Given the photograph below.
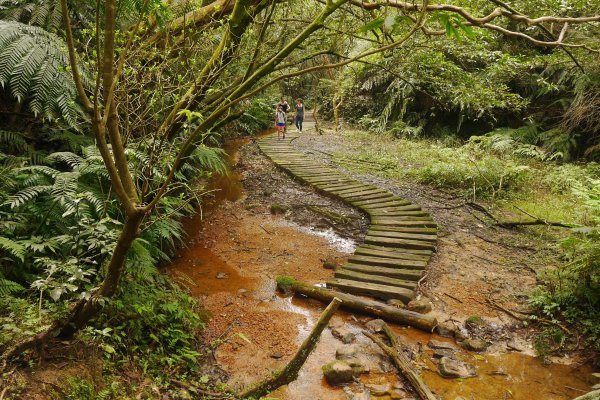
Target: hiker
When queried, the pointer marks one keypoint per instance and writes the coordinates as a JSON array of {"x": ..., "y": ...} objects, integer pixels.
[
  {"x": 285, "y": 107},
  {"x": 299, "y": 114},
  {"x": 280, "y": 121}
]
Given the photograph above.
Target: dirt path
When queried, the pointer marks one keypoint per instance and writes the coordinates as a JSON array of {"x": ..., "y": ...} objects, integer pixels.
[{"x": 240, "y": 248}]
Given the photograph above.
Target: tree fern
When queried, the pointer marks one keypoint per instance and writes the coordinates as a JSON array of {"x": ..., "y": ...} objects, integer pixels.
[
  {"x": 33, "y": 68},
  {"x": 13, "y": 248}
]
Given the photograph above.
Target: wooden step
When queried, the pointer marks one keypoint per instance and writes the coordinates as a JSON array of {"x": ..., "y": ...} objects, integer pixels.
[
  {"x": 347, "y": 274},
  {"x": 387, "y": 262},
  {"x": 407, "y": 229},
  {"x": 384, "y": 292},
  {"x": 368, "y": 197},
  {"x": 403, "y": 243},
  {"x": 403, "y": 235},
  {"x": 393, "y": 202},
  {"x": 385, "y": 209},
  {"x": 365, "y": 251},
  {"x": 398, "y": 250},
  {"x": 399, "y": 273},
  {"x": 406, "y": 221}
]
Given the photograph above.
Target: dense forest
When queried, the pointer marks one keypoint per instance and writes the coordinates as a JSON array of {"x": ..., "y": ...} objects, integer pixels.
[{"x": 113, "y": 118}]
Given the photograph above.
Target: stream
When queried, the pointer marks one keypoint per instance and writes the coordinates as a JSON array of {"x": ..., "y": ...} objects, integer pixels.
[{"x": 235, "y": 252}]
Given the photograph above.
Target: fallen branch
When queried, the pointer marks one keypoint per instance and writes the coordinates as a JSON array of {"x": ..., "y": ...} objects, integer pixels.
[
  {"x": 396, "y": 353},
  {"x": 512, "y": 224},
  {"x": 594, "y": 395},
  {"x": 366, "y": 306},
  {"x": 290, "y": 372}
]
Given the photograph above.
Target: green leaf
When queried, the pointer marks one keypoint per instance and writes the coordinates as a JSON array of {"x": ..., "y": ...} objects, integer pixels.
[
  {"x": 244, "y": 337},
  {"x": 377, "y": 23}
]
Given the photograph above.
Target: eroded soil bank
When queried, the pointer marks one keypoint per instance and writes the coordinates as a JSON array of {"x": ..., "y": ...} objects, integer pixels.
[{"x": 238, "y": 247}]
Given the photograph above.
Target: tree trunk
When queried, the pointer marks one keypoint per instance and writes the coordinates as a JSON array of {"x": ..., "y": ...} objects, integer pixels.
[
  {"x": 361, "y": 304},
  {"x": 88, "y": 309},
  {"x": 396, "y": 353},
  {"x": 290, "y": 372}
]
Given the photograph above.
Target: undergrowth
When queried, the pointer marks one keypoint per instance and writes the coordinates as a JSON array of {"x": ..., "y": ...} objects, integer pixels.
[{"x": 514, "y": 178}]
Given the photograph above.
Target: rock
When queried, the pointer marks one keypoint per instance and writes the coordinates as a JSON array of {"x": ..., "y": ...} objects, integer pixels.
[
  {"x": 375, "y": 325},
  {"x": 277, "y": 355},
  {"x": 477, "y": 345},
  {"x": 279, "y": 208},
  {"x": 461, "y": 334},
  {"x": 346, "y": 352},
  {"x": 396, "y": 303},
  {"x": 438, "y": 344},
  {"x": 378, "y": 390},
  {"x": 330, "y": 264},
  {"x": 473, "y": 322},
  {"x": 446, "y": 329},
  {"x": 221, "y": 275},
  {"x": 422, "y": 305},
  {"x": 439, "y": 353},
  {"x": 343, "y": 334},
  {"x": 358, "y": 366},
  {"x": 337, "y": 372},
  {"x": 451, "y": 368}
]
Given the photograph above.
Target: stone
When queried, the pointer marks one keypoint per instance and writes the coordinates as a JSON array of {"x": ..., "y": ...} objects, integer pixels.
[
  {"x": 452, "y": 368},
  {"x": 337, "y": 372},
  {"x": 346, "y": 352},
  {"x": 378, "y": 390},
  {"x": 343, "y": 334},
  {"x": 358, "y": 366},
  {"x": 439, "y": 353},
  {"x": 422, "y": 305},
  {"x": 438, "y": 344},
  {"x": 446, "y": 329},
  {"x": 477, "y": 345},
  {"x": 375, "y": 325},
  {"x": 461, "y": 334},
  {"x": 277, "y": 355},
  {"x": 396, "y": 303},
  {"x": 221, "y": 275}
]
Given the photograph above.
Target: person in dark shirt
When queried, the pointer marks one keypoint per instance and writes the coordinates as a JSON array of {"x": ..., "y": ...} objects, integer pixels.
[
  {"x": 284, "y": 105},
  {"x": 299, "y": 114}
]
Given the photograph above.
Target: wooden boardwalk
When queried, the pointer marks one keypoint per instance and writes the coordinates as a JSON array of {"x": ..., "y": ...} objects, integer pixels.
[{"x": 400, "y": 239}]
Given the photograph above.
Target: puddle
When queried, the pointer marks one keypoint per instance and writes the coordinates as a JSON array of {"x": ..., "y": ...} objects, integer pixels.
[{"x": 231, "y": 263}]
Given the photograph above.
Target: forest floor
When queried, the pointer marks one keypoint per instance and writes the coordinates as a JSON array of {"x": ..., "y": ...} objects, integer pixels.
[
  {"x": 478, "y": 271},
  {"x": 263, "y": 224}
]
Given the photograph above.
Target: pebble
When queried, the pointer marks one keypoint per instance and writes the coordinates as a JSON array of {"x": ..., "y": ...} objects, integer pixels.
[
  {"x": 375, "y": 325},
  {"x": 437, "y": 344},
  {"x": 451, "y": 368}
]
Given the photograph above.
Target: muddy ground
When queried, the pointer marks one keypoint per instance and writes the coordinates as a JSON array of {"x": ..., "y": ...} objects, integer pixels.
[{"x": 242, "y": 246}]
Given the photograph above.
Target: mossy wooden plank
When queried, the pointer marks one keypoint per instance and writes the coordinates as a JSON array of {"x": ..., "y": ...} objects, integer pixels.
[
  {"x": 372, "y": 289},
  {"x": 347, "y": 274},
  {"x": 407, "y": 229},
  {"x": 399, "y": 273},
  {"x": 403, "y": 222},
  {"x": 379, "y": 195},
  {"x": 403, "y": 243},
  {"x": 386, "y": 209},
  {"x": 390, "y": 254},
  {"x": 399, "y": 250},
  {"x": 389, "y": 202},
  {"x": 387, "y": 262},
  {"x": 403, "y": 235}
]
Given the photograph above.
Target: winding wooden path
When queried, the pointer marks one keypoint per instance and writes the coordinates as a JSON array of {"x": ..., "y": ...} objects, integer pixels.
[{"x": 400, "y": 239}]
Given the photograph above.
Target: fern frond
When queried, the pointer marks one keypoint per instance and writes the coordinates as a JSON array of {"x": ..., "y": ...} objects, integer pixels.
[
  {"x": 33, "y": 66},
  {"x": 15, "y": 249}
]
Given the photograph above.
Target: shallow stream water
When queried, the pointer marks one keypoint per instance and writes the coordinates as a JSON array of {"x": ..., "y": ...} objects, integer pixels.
[{"x": 235, "y": 281}]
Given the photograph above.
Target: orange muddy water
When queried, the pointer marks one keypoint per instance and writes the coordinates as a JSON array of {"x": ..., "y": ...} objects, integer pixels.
[{"x": 235, "y": 253}]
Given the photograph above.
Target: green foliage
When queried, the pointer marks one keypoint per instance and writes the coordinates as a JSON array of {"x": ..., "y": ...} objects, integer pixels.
[{"x": 33, "y": 69}]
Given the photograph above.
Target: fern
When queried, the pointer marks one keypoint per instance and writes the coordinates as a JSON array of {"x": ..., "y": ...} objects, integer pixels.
[
  {"x": 15, "y": 249},
  {"x": 33, "y": 68},
  {"x": 8, "y": 287}
]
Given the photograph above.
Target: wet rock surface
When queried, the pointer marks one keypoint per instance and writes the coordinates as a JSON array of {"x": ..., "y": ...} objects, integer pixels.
[
  {"x": 375, "y": 325},
  {"x": 477, "y": 345},
  {"x": 421, "y": 305},
  {"x": 452, "y": 368},
  {"x": 338, "y": 372}
]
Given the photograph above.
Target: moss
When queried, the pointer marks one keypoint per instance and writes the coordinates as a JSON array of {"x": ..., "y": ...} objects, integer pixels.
[
  {"x": 474, "y": 320},
  {"x": 284, "y": 282},
  {"x": 277, "y": 208}
]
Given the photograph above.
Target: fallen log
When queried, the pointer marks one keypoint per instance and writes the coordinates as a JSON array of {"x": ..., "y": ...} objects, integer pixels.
[
  {"x": 360, "y": 304},
  {"x": 594, "y": 395},
  {"x": 396, "y": 353},
  {"x": 290, "y": 372},
  {"x": 512, "y": 224}
]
